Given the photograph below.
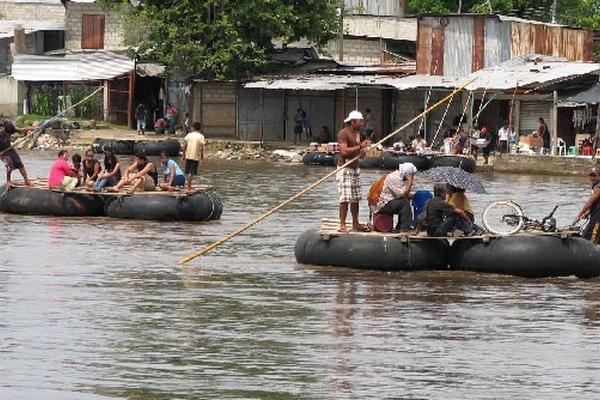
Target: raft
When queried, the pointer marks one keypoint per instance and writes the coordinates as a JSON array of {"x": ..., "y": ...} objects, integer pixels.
[
  {"x": 43, "y": 201},
  {"x": 318, "y": 158},
  {"x": 391, "y": 160},
  {"x": 154, "y": 147},
  {"x": 530, "y": 256},
  {"x": 464, "y": 162},
  {"x": 201, "y": 205},
  {"x": 371, "y": 251}
]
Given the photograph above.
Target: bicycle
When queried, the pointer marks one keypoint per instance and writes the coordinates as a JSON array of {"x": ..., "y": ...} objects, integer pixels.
[{"x": 506, "y": 217}]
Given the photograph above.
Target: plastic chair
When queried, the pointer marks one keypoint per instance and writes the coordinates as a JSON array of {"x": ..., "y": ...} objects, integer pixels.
[
  {"x": 587, "y": 150},
  {"x": 561, "y": 147},
  {"x": 573, "y": 150}
]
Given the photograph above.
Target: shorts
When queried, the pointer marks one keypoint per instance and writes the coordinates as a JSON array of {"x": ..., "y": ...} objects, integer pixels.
[
  {"x": 149, "y": 185},
  {"x": 179, "y": 180},
  {"x": 592, "y": 232},
  {"x": 191, "y": 167},
  {"x": 12, "y": 160},
  {"x": 348, "y": 185}
]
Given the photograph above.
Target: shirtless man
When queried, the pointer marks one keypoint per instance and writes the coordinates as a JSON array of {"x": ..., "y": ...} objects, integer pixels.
[
  {"x": 348, "y": 179},
  {"x": 591, "y": 209},
  {"x": 8, "y": 155}
]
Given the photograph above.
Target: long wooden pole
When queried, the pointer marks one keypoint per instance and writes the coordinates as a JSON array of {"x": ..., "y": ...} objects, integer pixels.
[{"x": 317, "y": 183}]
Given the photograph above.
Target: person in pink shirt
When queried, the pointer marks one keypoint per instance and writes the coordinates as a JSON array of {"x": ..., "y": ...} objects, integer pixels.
[{"x": 61, "y": 174}]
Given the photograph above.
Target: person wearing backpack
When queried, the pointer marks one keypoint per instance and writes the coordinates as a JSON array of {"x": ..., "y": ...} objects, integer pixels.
[{"x": 394, "y": 196}]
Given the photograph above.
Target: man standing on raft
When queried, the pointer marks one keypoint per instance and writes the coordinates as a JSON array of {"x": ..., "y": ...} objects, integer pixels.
[
  {"x": 8, "y": 155},
  {"x": 348, "y": 179},
  {"x": 591, "y": 209}
]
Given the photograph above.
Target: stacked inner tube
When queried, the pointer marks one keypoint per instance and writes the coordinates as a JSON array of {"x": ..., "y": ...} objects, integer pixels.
[
  {"x": 154, "y": 147},
  {"x": 527, "y": 256},
  {"x": 318, "y": 158},
  {"x": 370, "y": 252},
  {"x": 120, "y": 147},
  {"x": 391, "y": 160},
  {"x": 203, "y": 206},
  {"x": 37, "y": 201},
  {"x": 466, "y": 163}
]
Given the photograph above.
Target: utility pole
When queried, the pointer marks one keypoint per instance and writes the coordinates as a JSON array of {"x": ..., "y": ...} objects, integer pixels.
[
  {"x": 341, "y": 38},
  {"x": 459, "y": 6},
  {"x": 553, "y": 10}
]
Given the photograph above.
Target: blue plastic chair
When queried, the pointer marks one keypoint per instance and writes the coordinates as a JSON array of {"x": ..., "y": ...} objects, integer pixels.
[{"x": 420, "y": 198}]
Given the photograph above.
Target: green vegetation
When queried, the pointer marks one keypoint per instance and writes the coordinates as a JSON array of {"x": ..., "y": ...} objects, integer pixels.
[
  {"x": 223, "y": 39},
  {"x": 28, "y": 119}
]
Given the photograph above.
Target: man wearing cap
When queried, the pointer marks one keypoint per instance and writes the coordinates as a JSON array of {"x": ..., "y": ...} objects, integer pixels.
[
  {"x": 348, "y": 179},
  {"x": 591, "y": 209}
]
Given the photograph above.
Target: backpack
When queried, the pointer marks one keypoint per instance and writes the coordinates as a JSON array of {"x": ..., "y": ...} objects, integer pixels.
[{"x": 375, "y": 191}]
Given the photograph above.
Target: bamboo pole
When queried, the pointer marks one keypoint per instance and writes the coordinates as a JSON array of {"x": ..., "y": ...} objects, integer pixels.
[
  {"x": 317, "y": 183},
  {"x": 39, "y": 130}
]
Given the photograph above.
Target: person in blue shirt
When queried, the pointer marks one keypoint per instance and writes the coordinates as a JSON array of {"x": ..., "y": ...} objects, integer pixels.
[{"x": 173, "y": 174}]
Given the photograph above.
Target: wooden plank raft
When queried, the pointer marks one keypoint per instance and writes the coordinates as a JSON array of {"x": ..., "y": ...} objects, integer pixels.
[
  {"x": 42, "y": 183},
  {"x": 330, "y": 228}
]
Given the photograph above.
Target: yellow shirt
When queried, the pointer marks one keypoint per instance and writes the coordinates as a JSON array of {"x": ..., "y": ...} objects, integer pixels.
[
  {"x": 454, "y": 198},
  {"x": 194, "y": 142}
]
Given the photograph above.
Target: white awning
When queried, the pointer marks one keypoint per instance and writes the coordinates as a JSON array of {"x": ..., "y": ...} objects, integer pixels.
[{"x": 73, "y": 67}]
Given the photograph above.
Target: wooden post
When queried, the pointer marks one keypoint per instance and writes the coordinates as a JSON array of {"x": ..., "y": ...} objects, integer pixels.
[
  {"x": 130, "y": 99},
  {"x": 106, "y": 100},
  {"x": 554, "y": 136}
]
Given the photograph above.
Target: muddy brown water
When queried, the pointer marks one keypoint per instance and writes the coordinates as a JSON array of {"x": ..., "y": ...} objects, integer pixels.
[{"x": 99, "y": 308}]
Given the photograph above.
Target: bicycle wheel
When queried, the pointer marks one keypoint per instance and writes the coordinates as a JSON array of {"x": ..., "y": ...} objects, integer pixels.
[{"x": 503, "y": 218}]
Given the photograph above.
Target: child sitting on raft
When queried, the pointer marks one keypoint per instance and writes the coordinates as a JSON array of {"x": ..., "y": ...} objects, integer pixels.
[{"x": 173, "y": 175}]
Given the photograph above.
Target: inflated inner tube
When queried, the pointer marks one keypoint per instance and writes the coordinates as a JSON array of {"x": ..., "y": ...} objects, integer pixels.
[
  {"x": 371, "y": 251},
  {"x": 527, "y": 256},
  {"x": 154, "y": 147},
  {"x": 391, "y": 161},
  {"x": 204, "y": 206},
  {"x": 121, "y": 147},
  {"x": 318, "y": 158},
  {"x": 466, "y": 163},
  {"x": 41, "y": 201},
  {"x": 371, "y": 162}
]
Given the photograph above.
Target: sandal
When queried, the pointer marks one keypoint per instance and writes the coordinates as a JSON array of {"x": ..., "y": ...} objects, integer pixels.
[{"x": 361, "y": 228}]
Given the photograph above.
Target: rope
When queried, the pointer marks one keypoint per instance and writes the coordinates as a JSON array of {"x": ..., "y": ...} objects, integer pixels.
[
  {"x": 429, "y": 92},
  {"x": 317, "y": 183},
  {"x": 439, "y": 128},
  {"x": 49, "y": 121}
]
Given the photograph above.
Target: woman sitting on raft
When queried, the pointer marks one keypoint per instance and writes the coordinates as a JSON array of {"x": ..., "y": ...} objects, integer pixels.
[
  {"x": 443, "y": 217},
  {"x": 395, "y": 196},
  {"x": 61, "y": 173},
  {"x": 111, "y": 175},
  {"x": 91, "y": 169},
  {"x": 173, "y": 174},
  {"x": 145, "y": 176}
]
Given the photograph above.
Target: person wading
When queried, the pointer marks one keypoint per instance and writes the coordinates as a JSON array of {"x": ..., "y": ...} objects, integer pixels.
[
  {"x": 8, "y": 155},
  {"x": 348, "y": 179}
]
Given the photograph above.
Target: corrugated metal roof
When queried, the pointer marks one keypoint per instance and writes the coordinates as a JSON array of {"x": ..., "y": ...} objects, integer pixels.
[
  {"x": 503, "y": 77},
  {"x": 149, "y": 69},
  {"x": 7, "y": 27},
  {"x": 73, "y": 67},
  {"x": 590, "y": 95}
]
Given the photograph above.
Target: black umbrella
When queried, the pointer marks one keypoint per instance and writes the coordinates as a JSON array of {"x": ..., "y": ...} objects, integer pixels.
[{"x": 455, "y": 177}]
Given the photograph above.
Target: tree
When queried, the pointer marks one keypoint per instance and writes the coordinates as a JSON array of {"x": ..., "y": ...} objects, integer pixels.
[{"x": 224, "y": 39}]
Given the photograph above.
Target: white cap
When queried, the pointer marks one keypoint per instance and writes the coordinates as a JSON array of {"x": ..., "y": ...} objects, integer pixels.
[{"x": 354, "y": 115}]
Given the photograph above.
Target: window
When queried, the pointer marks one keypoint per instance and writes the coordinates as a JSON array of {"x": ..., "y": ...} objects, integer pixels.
[
  {"x": 54, "y": 40},
  {"x": 92, "y": 31}
]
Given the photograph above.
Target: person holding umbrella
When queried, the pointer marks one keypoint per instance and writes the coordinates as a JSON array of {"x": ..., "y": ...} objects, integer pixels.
[{"x": 457, "y": 182}]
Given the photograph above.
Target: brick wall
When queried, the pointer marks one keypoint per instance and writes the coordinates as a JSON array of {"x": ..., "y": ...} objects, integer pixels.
[
  {"x": 113, "y": 33},
  {"x": 32, "y": 11}
]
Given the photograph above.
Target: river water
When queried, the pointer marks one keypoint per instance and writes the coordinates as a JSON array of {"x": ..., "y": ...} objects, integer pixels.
[{"x": 99, "y": 308}]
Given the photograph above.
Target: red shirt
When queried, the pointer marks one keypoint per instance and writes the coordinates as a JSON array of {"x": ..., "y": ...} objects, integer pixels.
[{"x": 59, "y": 170}]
